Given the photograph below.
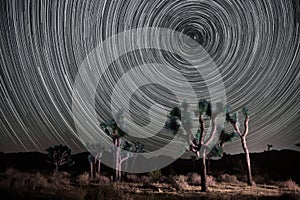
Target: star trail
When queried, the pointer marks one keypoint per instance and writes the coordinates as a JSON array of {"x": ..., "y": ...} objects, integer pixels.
[{"x": 255, "y": 45}]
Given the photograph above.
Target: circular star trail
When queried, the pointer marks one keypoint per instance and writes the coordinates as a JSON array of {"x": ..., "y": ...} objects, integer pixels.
[{"x": 254, "y": 44}]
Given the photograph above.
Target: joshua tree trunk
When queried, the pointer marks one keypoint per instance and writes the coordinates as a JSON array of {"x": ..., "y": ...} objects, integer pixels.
[
  {"x": 203, "y": 174},
  {"x": 245, "y": 148},
  {"x": 244, "y": 145},
  {"x": 92, "y": 169},
  {"x": 99, "y": 166},
  {"x": 117, "y": 143},
  {"x": 201, "y": 141},
  {"x": 117, "y": 157}
]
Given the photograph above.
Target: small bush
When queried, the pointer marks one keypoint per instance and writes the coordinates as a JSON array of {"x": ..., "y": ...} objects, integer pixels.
[
  {"x": 39, "y": 182},
  {"x": 179, "y": 182},
  {"x": 133, "y": 178},
  {"x": 103, "y": 180},
  {"x": 145, "y": 180},
  {"x": 228, "y": 178},
  {"x": 84, "y": 179},
  {"x": 155, "y": 175},
  {"x": 289, "y": 184},
  {"x": 60, "y": 179},
  {"x": 194, "y": 179},
  {"x": 211, "y": 181}
]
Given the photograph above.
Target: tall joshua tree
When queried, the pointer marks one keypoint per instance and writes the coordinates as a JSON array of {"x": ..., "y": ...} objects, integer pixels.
[
  {"x": 112, "y": 129},
  {"x": 233, "y": 120},
  {"x": 200, "y": 142}
]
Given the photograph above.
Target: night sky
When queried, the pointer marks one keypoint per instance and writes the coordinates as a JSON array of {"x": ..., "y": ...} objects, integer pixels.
[{"x": 255, "y": 44}]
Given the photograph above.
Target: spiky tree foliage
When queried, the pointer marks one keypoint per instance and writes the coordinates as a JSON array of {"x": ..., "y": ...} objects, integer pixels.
[
  {"x": 225, "y": 137},
  {"x": 298, "y": 144},
  {"x": 173, "y": 122},
  {"x": 59, "y": 155},
  {"x": 232, "y": 118}
]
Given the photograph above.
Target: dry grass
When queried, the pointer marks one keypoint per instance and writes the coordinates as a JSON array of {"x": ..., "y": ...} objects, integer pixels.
[{"x": 22, "y": 185}]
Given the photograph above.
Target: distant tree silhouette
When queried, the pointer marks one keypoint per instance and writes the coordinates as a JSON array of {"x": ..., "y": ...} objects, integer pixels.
[
  {"x": 269, "y": 147},
  {"x": 233, "y": 120},
  {"x": 59, "y": 155}
]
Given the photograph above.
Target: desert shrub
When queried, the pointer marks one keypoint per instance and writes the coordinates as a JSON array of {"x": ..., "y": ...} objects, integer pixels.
[
  {"x": 84, "y": 179},
  {"x": 193, "y": 178},
  {"x": 38, "y": 181},
  {"x": 211, "y": 181},
  {"x": 22, "y": 181},
  {"x": 145, "y": 180},
  {"x": 227, "y": 178},
  {"x": 60, "y": 179},
  {"x": 155, "y": 175},
  {"x": 102, "y": 180},
  {"x": 289, "y": 184},
  {"x": 162, "y": 179},
  {"x": 133, "y": 178},
  {"x": 178, "y": 182}
]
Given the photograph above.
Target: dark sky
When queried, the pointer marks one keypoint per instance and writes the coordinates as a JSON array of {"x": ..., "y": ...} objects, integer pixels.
[{"x": 255, "y": 44}]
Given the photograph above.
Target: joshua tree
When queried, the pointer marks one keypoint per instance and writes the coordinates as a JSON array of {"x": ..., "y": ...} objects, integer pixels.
[
  {"x": 59, "y": 155},
  {"x": 116, "y": 133},
  {"x": 198, "y": 143},
  {"x": 298, "y": 144},
  {"x": 269, "y": 147},
  {"x": 233, "y": 120}
]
